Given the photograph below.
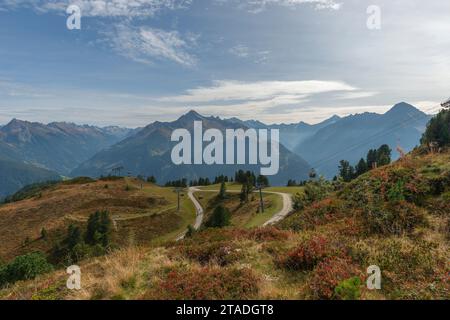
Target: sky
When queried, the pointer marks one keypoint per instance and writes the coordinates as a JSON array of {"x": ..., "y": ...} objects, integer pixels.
[{"x": 278, "y": 61}]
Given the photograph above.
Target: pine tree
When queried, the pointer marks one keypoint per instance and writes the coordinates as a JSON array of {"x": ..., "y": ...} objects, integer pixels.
[
  {"x": 384, "y": 155},
  {"x": 220, "y": 218},
  {"x": 361, "y": 167},
  {"x": 223, "y": 190},
  {"x": 73, "y": 236}
]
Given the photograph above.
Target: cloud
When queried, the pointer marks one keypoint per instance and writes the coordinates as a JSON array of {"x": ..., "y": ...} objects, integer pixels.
[
  {"x": 100, "y": 8},
  {"x": 225, "y": 90},
  {"x": 244, "y": 52},
  {"x": 144, "y": 44},
  {"x": 240, "y": 51},
  {"x": 257, "y": 6}
]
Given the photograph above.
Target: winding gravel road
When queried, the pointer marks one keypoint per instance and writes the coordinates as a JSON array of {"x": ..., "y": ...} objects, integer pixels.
[{"x": 283, "y": 213}]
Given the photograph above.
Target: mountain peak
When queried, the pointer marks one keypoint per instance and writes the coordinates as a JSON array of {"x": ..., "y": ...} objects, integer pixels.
[
  {"x": 191, "y": 116},
  {"x": 403, "y": 107}
]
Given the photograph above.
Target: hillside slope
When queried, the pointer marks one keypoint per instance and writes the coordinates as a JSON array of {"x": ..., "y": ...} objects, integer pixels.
[
  {"x": 139, "y": 215},
  {"x": 14, "y": 175},
  {"x": 396, "y": 217}
]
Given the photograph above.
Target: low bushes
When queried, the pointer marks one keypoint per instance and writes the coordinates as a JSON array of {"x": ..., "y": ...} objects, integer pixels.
[
  {"x": 222, "y": 253},
  {"x": 316, "y": 214},
  {"x": 392, "y": 218},
  {"x": 306, "y": 256},
  {"x": 24, "y": 268},
  {"x": 349, "y": 289},
  {"x": 329, "y": 274},
  {"x": 209, "y": 283}
]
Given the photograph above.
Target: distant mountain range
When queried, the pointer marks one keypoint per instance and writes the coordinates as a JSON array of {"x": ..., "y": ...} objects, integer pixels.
[
  {"x": 323, "y": 145},
  {"x": 58, "y": 146},
  {"x": 291, "y": 135},
  {"x": 47, "y": 151},
  {"x": 149, "y": 153},
  {"x": 351, "y": 137},
  {"x": 34, "y": 152}
]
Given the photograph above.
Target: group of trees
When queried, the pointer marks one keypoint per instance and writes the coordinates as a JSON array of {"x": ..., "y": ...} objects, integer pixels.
[
  {"x": 181, "y": 183},
  {"x": 438, "y": 130},
  {"x": 375, "y": 158},
  {"x": 200, "y": 182},
  {"x": 76, "y": 245},
  {"x": 249, "y": 182},
  {"x": 294, "y": 183}
]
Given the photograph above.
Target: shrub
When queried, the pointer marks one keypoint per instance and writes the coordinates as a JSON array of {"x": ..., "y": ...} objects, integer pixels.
[
  {"x": 222, "y": 253},
  {"x": 316, "y": 214},
  {"x": 24, "y": 267},
  {"x": 348, "y": 289},
  {"x": 305, "y": 256},
  {"x": 392, "y": 218},
  {"x": 268, "y": 234},
  {"x": 209, "y": 283},
  {"x": 328, "y": 275}
]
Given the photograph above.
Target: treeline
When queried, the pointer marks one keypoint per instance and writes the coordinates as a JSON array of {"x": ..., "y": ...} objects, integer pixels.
[
  {"x": 294, "y": 183},
  {"x": 375, "y": 158},
  {"x": 181, "y": 183}
]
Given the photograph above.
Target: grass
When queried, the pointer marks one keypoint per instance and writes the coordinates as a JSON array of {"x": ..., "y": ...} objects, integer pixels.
[
  {"x": 242, "y": 215},
  {"x": 142, "y": 212},
  {"x": 414, "y": 264},
  {"x": 289, "y": 190},
  {"x": 237, "y": 187}
]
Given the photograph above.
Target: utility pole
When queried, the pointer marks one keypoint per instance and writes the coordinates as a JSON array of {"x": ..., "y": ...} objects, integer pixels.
[
  {"x": 261, "y": 200},
  {"x": 178, "y": 191},
  {"x": 260, "y": 186}
]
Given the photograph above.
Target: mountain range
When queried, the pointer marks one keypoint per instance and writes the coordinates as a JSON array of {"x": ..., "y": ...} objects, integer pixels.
[
  {"x": 67, "y": 149},
  {"x": 349, "y": 138},
  {"x": 34, "y": 152},
  {"x": 149, "y": 153}
]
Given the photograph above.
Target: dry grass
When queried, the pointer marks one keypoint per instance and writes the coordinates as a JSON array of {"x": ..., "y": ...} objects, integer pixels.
[{"x": 140, "y": 215}]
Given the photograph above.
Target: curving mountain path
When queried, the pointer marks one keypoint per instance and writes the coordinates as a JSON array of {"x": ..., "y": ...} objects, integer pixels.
[{"x": 283, "y": 213}]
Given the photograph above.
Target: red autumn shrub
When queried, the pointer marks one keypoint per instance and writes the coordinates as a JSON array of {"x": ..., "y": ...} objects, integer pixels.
[
  {"x": 317, "y": 214},
  {"x": 209, "y": 284},
  {"x": 329, "y": 273},
  {"x": 222, "y": 253},
  {"x": 268, "y": 234},
  {"x": 306, "y": 255}
]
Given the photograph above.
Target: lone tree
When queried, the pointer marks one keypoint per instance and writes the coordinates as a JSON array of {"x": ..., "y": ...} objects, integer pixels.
[
  {"x": 219, "y": 219},
  {"x": 223, "y": 190}
]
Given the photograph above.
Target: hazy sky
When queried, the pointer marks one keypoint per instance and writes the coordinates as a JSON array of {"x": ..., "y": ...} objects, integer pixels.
[{"x": 137, "y": 61}]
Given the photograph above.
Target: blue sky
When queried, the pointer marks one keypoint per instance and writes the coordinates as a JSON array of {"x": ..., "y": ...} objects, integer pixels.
[{"x": 137, "y": 61}]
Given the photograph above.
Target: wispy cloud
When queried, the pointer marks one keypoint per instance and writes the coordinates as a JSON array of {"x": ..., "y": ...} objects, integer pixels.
[
  {"x": 244, "y": 52},
  {"x": 100, "y": 8},
  {"x": 144, "y": 44},
  {"x": 260, "y": 90},
  {"x": 257, "y": 6},
  {"x": 240, "y": 51}
]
